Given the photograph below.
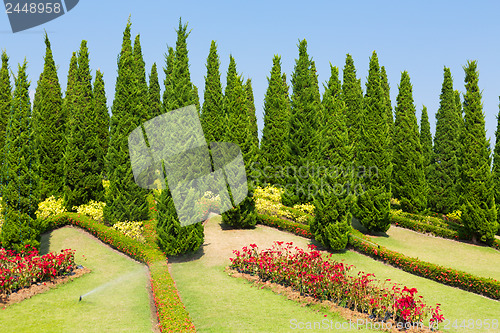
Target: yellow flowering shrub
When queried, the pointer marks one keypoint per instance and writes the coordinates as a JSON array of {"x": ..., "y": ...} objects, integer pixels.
[
  {"x": 455, "y": 215},
  {"x": 93, "y": 210},
  {"x": 395, "y": 202},
  {"x": 307, "y": 208},
  {"x": 50, "y": 207},
  {"x": 131, "y": 229}
]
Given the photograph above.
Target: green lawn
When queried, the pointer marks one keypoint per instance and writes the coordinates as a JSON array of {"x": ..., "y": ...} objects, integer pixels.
[
  {"x": 119, "y": 303},
  {"x": 219, "y": 303},
  {"x": 478, "y": 260}
]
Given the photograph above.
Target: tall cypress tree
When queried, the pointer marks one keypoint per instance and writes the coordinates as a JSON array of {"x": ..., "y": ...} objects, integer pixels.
[
  {"x": 303, "y": 136},
  {"x": 179, "y": 92},
  {"x": 238, "y": 131},
  {"x": 83, "y": 157},
  {"x": 154, "y": 95},
  {"x": 5, "y": 101},
  {"x": 125, "y": 200},
  {"x": 49, "y": 124},
  {"x": 252, "y": 118},
  {"x": 142, "y": 86},
  {"x": 21, "y": 190},
  {"x": 496, "y": 164},
  {"x": 443, "y": 172},
  {"x": 387, "y": 98},
  {"x": 408, "y": 177},
  {"x": 477, "y": 193},
  {"x": 332, "y": 215},
  {"x": 352, "y": 95},
  {"x": 212, "y": 111},
  {"x": 236, "y": 111},
  {"x": 168, "y": 82},
  {"x": 373, "y": 156},
  {"x": 100, "y": 111},
  {"x": 426, "y": 140},
  {"x": 274, "y": 147}
]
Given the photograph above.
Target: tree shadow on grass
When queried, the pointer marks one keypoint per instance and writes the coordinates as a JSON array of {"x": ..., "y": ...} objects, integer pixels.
[
  {"x": 358, "y": 226},
  {"x": 45, "y": 242},
  {"x": 187, "y": 257}
]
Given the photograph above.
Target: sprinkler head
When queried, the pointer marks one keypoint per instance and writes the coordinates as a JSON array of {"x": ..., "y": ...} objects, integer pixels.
[{"x": 80, "y": 299}]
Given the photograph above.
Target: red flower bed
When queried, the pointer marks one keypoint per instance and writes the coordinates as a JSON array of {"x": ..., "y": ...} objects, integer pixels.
[
  {"x": 20, "y": 270},
  {"x": 311, "y": 275}
]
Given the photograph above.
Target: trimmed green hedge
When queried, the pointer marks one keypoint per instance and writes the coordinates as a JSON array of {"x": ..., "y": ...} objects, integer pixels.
[
  {"x": 287, "y": 225},
  {"x": 172, "y": 315},
  {"x": 465, "y": 281},
  {"x": 456, "y": 232}
]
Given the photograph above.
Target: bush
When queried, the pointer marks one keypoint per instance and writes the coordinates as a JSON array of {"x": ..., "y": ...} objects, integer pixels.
[
  {"x": 133, "y": 230},
  {"x": 50, "y": 207},
  {"x": 94, "y": 210}
]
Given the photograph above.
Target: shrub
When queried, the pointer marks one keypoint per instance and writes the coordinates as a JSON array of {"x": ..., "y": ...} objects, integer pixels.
[
  {"x": 455, "y": 215},
  {"x": 133, "y": 230},
  {"x": 1, "y": 215},
  {"x": 93, "y": 209},
  {"x": 50, "y": 207}
]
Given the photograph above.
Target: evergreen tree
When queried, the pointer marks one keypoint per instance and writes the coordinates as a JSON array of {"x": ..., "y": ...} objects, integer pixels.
[
  {"x": 179, "y": 92},
  {"x": 21, "y": 187},
  {"x": 5, "y": 101},
  {"x": 426, "y": 140},
  {"x": 238, "y": 131},
  {"x": 125, "y": 200},
  {"x": 252, "y": 118},
  {"x": 477, "y": 193},
  {"x": 352, "y": 95},
  {"x": 274, "y": 148},
  {"x": 443, "y": 172},
  {"x": 332, "y": 215},
  {"x": 142, "y": 87},
  {"x": 387, "y": 97},
  {"x": 100, "y": 111},
  {"x": 236, "y": 111},
  {"x": 408, "y": 176},
  {"x": 49, "y": 125},
  {"x": 373, "y": 157},
  {"x": 83, "y": 157},
  {"x": 212, "y": 112},
  {"x": 496, "y": 164},
  {"x": 303, "y": 136},
  {"x": 154, "y": 95},
  {"x": 168, "y": 82}
]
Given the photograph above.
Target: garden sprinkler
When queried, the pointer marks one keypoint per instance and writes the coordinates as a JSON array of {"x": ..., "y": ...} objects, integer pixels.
[{"x": 80, "y": 298}]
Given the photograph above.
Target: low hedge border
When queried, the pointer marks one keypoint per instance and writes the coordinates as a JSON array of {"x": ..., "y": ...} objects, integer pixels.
[
  {"x": 455, "y": 278},
  {"x": 422, "y": 227},
  {"x": 296, "y": 228},
  {"x": 172, "y": 315}
]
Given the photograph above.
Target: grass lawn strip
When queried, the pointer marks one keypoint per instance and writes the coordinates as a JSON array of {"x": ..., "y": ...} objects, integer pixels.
[{"x": 119, "y": 302}]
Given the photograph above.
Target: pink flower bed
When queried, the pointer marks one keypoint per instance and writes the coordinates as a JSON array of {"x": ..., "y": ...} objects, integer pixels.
[
  {"x": 312, "y": 275},
  {"x": 20, "y": 270}
]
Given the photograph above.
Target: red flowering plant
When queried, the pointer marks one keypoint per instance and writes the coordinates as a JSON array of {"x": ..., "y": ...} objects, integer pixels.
[
  {"x": 310, "y": 273},
  {"x": 20, "y": 270}
]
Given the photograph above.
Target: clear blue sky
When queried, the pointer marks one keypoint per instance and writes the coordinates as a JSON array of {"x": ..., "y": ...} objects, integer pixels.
[{"x": 420, "y": 36}]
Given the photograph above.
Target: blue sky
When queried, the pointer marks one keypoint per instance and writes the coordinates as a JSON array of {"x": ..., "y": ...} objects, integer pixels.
[{"x": 420, "y": 36}]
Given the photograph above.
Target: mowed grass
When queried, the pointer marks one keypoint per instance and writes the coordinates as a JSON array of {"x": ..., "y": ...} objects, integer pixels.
[
  {"x": 220, "y": 303},
  {"x": 478, "y": 260},
  {"x": 119, "y": 303}
]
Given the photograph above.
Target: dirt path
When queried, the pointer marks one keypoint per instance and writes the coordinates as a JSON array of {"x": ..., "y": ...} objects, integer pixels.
[{"x": 220, "y": 242}]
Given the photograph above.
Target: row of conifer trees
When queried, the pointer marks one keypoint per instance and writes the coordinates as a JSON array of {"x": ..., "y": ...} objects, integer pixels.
[{"x": 345, "y": 151}]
